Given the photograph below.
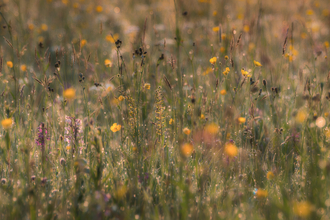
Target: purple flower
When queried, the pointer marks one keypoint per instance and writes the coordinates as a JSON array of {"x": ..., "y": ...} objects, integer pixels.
[
  {"x": 73, "y": 130},
  {"x": 42, "y": 135},
  {"x": 143, "y": 178}
]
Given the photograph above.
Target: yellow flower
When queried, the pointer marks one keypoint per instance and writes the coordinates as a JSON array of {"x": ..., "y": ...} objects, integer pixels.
[
  {"x": 302, "y": 209},
  {"x": 99, "y": 8},
  {"x": 231, "y": 149},
  {"x": 215, "y": 13},
  {"x": 309, "y": 12},
  {"x": 121, "y": 192},
  {"x": 207, "y": 71},
  {"x": 75, "y": 5},
  {"x": 212, "y": 128},
  {"x": 327, "y": 132},
  {"x": 23, "y": 68},
  {"x": 241, "y": 120},
  {"x": 223, "y": 36},
  {"x": 222, "y": 49},
  {"x": 326, "y": 114},
  {"x": 301, "y": 116},
  {"x": 7, "y": 123},
  {"x": 216, "y": 29},
  {"x": 146, "y": 86},
  {"x": 326, "y": 44},
  {"x": 114, "y": 101},
  {"x": 260, "y": 193},
  {"x": 186, "y": 150},
  {"x": 115, "y": 127},
  {"x": 244, "y": 73},
  {"x": 69, "y": 93},
  {"x": 325, "y": 12},
  {"x": 65, "y": 2},
  {"x": 251, "y": 46},
  {"x": 31, "y": 27},
  {"x": 83, "y": 42},
  {"x": 246, "y": 28},
  {"x": 202, "y": 116},
  {"x": 186, "y": 131},
  {"x": 171, "y": 121},
  {"x": 10, "y": 64},
  {"x": 223, "y": 92},
  {"x": 256, "y": 63},
  {"x": 44, "y": 27},
  {"x": 270, "y": 175},
  {"x": 226, "y": 57},
  {"x": 113, "y": 38},
  {"x": 134, "y": 149},
  {"x": 213, "y": 60},
  {"x": 121, "y": 98},
  {"x": 226, "y": 71},
  {"x": 108, "y": 63}
]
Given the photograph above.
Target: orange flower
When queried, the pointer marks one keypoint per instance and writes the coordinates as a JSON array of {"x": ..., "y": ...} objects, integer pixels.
[
  {"x": 186, "y": 131},
  {"x": 69, "y": 93}
]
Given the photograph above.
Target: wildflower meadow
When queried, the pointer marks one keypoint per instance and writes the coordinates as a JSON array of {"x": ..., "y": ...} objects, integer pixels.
[{"x": 165, "y": 109}]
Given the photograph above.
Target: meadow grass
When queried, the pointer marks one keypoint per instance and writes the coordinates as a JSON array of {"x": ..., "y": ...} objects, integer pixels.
[{"x": 164, "y": 109}]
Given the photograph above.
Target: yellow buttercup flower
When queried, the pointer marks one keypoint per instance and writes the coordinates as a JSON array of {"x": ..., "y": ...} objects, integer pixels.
[
  {"x": 231, "y": 149},
  {"x": 121, "y": 192},
  {"x": 83, "y": 42},
  {"x": 7, "y": 123},
  {"x": 31, "y": 27},
  {"x": 186, "y": 131},
  {"x": 213, "y": 60},
  {"x": 44, "y": 27},
  {"x": 69, "y": 93},
  {"x": 256, "y": 63},
  {"x": 107, "y": 63},
  {"x": 10, "y": 64},
  {"x": 186, "y": 150},
  {"x": 202, "y": 116},
  {"x": 146, "y": 86},
  {"x": 222, "y": 49},
  {"x": 246, "y": 28},
  {"x": 309, "y": 12},
  {"x": 216, "y": 29},
  {"x": 226, "y": 57},
  {"x": 212, "y": 128},
  {"x": 99, "y": 8},
  {"x": 113, "y": 38},
  {"x": 171, "y": 121},
  {"x": 260, "y": 193},
  {"x": 241, "y": 120},
  {"x": 227, "y": 70},
  {"x": 244, "y": 73},
  {"x": 121, "y": 98},
  {"x": 270, "y": 175},
  {"x": 207, "y": 71},
  {"x": 302, "y": 209},
  {"x": 301, "y": 116},
  {"x": 23, "y": 68},
  {"x": 223, "y": 92},
  {"x": 115, "y": 127}
]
